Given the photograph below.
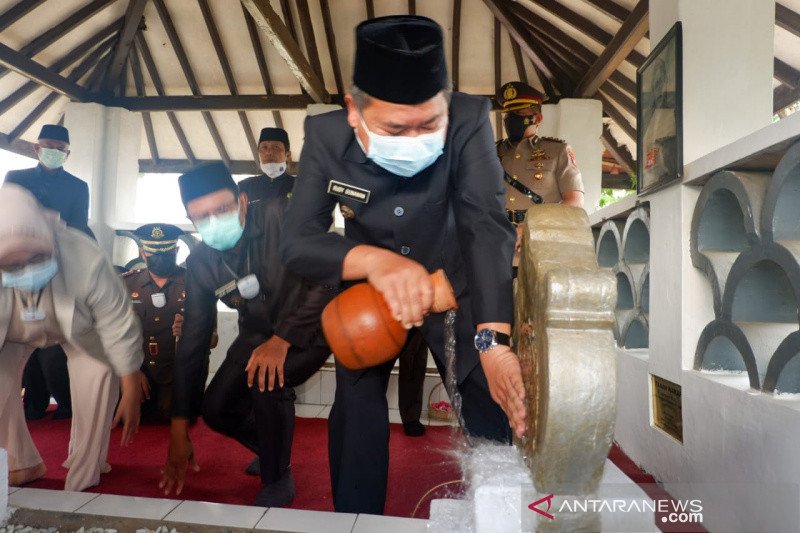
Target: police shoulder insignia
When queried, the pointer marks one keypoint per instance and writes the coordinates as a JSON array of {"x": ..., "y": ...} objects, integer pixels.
[
  {"x": 130, "y": 273},
  {"x": 554, "y": 139}
]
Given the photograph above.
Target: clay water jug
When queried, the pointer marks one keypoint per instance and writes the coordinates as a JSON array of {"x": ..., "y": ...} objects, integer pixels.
[{"x": 360, "y": 329}]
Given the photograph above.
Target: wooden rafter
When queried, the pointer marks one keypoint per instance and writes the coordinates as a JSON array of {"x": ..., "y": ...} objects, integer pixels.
[
  {"x": 252, "y": 30},
  {"x": 586, "y": 26},
  {"x": 412, "y": 7},
  {"x": 787, "y": 19},
  {"x": 618, "y": 151},
  {"x": 150, "y": 65},
  {"x": 786, "y": 74},
  {"x": 370, "y": 9},
  {"x": 620, "y": 46},
  {"x": 96, "y": 77},
  {"x": 517, "y": 51},
  {"x": 455, "y": 47},
  {"x": 330, "y": 36},
  {"x": 15, "y": 61},
  {"x": 62, "y": 63},
  {"x": 77, "y": 73},
  {"x": 276, "y": 31},
  {"x": 286, "y": 10},
  {"x": 617, "y": 116},
  {"x": 626, "y": 102},
  {"x": 784, "y": 96},
  {"x": 611, "y": 8},
  {"x": 308, "y": 37},
  {"x": 213, "y": 32},
  {"x": 177, "y": 47},
  {"x": 17, "y": 11},
  {"x": 59, "y": 30},
  {"x": 133, "y": 19},
  {"x": 138, "y": 82},
  {"x": 520, "y": 34}
]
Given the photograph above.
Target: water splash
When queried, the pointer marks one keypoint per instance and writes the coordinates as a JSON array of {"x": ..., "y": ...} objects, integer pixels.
[{"x": 451, "y": 377}]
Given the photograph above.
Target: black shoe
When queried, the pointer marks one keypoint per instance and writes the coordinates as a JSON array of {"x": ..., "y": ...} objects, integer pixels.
[
  {"x": 32, "y": 413},
  {"x": 254, "y": 468},
  {"x": 414, "y": 429},
  {"x": 62, "y": 414},
  {"x": 278, "y": 494}
]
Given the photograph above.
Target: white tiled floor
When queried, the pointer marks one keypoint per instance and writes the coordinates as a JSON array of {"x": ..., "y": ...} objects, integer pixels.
[
  {"x": 12, "y": 489},
  {"x": 307, "y": 521},
  {"x": 216, "y": 514},
  {"x": 130, "y": 506},
  {"x": 367, "y": 523},
  {"x": 50, "y": 500}
]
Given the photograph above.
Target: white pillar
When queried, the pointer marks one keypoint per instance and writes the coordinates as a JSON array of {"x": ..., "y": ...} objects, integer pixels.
[
  {"x": 105, "y": 154},
  {"x": 728, "y": 53},
  {"x": 580, "y": 123}
]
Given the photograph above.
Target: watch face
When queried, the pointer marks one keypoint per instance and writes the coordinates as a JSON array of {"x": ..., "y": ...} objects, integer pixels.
[{"x": 484, "y": 340}]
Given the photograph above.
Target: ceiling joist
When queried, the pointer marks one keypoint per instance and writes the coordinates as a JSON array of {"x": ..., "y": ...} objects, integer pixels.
[{"x": 133, "y": 19}]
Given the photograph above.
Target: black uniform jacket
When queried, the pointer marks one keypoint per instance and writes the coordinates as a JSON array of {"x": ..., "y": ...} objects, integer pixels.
[
  {"x": 58, "y": 190},
  {"x": 263, "y": 188},
  {"x": 449, "y": 216},
  {"x": 159, "y": 343},
  {"x": 288, "y": 306}
]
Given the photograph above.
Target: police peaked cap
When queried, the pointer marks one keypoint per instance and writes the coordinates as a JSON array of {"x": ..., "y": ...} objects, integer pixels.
[
  {"x": 274, "y": 134},
  {"x": 400, "y": 59},
  {"x": 205, "y": 179},
  {"x": 158, "y": 238},
  {"x": 54, "y": 132}
]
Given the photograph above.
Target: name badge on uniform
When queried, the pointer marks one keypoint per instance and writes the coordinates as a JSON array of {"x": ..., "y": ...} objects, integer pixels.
[
  {"x": 344, "y": 190},
  {"x": 159, "y": 299},
  {"x": 225, "y": 289},
  {"x": 32, "y": 314}
]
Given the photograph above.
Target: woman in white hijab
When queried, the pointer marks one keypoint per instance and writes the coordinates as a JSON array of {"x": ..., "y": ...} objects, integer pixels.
[{"x": 58, "y": 287}]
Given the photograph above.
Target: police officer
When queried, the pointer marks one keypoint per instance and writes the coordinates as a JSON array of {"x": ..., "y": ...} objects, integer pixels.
[
  {"x": 534, "y": 166},
  {"x": 56, "y": 189},
  {"x": 273, "y": 156},
  {"x": 158, "y": 293},
  {"x": 412, "y": 166},
  {"x": 280, "y": 343}
]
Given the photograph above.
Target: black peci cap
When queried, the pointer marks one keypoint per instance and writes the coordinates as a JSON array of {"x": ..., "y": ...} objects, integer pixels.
[
  {"x": 400, "y": 59},
  {"x": 274, "y": 134},
  {"x": 54, "y": 132},
  {"x": 205, "y": 179}
]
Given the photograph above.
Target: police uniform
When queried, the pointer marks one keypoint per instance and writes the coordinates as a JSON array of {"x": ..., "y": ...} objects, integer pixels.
[
  {"x": 156, "y": 308},
  {"x": 545, "y": 166},
  {"x": 284, "y": 305},
  {"x": 449, "y": 215},
  {"x": 263, "y": 187}
]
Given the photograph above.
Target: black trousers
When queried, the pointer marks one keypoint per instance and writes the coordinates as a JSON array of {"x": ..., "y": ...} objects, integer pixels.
[
  {"x": 46, "y": 374},
  {"x": 358, "y": 430},
  {"x": 261, "y": 421},
  {"x": 411, "y": 380}
]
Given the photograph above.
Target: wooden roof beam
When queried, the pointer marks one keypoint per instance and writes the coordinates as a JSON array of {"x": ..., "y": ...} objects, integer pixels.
[
  {"x": 330, "y": 36},
  {"x": 150, "y": 65},
  {"x": 61, "y": 64},
  {"x": 60, "y": 29},
  {"x": 586, "y": 26},
  {"x": 216, "y": 40},
  {"x": 276, "y": 31},
  {"x": 17, "y": 11},
  {"x": 13, "y": 60},
  {"x": 261, "y": 60},
  {"x": 308, "y": 37},
  {"x": 622, "y": 44},
  {"x": 455, "y": 46},
  {"x": 786, "y": 74},
  {"x": 370, "y": 9},
  {"x": 177, "y": 47},
  {"x": 611, "y": 8},
  {"x": 133, "y": 19},
  {"x": 787, "y": 19},
  {"x": 521, "y": 35},
  {"x": 617, "y": 116},
  {"x": 412, "y": 7},
  {"x": 138, "y": 82}
]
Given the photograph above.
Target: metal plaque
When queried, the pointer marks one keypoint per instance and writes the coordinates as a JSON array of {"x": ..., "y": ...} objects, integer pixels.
[{"x": 667, "y": 406}]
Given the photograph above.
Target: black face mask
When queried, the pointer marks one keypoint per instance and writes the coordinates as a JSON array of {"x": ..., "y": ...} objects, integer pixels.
[
  {"x": 516, "y": 125},
  {"x": 163, "y": 265}
]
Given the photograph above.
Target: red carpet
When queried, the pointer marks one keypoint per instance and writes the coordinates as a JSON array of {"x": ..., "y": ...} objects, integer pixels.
[{"x": 416, "y": 465}]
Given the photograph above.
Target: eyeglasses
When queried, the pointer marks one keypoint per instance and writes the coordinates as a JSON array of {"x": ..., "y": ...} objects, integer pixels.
[{"x": 202, "y": 218}]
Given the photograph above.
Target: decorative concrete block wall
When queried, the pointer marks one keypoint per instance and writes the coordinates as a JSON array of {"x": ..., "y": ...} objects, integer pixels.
[
  {"x": 625, "y": 248},
  {"x": 745, "y": 237}
]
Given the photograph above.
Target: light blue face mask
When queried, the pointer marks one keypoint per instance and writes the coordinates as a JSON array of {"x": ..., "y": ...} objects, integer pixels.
[
  {"x": 404, "y": 156},
  {"x": 52, "y": 158},
  {"x": 31, "y": 278},
  {"x": 221, "y": 232}
]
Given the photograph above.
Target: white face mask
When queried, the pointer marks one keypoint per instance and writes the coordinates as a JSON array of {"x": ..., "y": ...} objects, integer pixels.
[
  {"x": 273, "y": 170},
  {"x": 52, "y": 158},
  {"x": 402, "y": 155}
]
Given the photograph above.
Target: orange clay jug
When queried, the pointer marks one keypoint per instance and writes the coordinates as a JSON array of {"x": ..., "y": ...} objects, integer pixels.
[{"x": 361, "y": 331}]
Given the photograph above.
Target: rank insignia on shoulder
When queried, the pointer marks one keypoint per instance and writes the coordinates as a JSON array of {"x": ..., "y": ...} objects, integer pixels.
[
  {"x": 347, "y": 212},
  {"x": 130, "y": 273},
  {"x": 554, "y": 139}
]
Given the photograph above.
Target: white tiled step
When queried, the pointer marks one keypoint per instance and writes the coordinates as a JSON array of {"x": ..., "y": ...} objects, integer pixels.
[
  {"x": 217, "y": 514},
  {"x": 297, "y": 521}
]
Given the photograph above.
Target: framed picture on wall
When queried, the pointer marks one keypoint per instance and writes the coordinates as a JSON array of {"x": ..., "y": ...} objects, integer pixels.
[{"x": 659, "y": 132}]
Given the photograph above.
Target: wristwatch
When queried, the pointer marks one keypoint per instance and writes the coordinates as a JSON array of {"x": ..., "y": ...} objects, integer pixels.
[{"x": 486, "y": 339}]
